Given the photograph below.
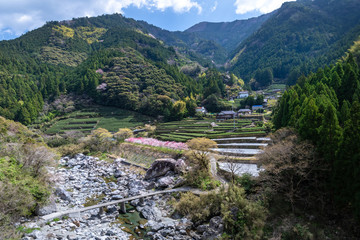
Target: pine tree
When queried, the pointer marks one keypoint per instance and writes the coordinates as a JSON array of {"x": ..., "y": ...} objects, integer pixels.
[
  {"x": 330, "y": 133},
  {"x": 309, "y": 120},
  {"x": 348, "y": 164}
]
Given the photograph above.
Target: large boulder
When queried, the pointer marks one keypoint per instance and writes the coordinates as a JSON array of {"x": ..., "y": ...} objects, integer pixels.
[
  {"x": 180, "y": 166},
  {"x": 150, "y": 212},
  {"x": 217, "y": 224},
  {"x": 49, "y": 208},
  {"x": 213, "y": 231},
  {"x": 160, "y": 167},
  {"x": 63, "y": 194},
  {"x": 165, "y": 182}
]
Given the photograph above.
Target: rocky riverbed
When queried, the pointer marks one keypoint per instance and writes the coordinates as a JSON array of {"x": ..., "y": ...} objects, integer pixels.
[{"x": 84, "y": 181}]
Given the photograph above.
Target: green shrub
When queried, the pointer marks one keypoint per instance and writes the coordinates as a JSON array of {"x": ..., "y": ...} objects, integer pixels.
[
  {"x": 72, "y": 149},
  {"x": 100, "y": 140},
  {"x": 7, "y": 230},
  {"x": 24, "y": 179},
  {"x": 299, "y": 232},
  {"x": 269, "y": 126},
  {"x": 201, "y": 179},
  {"x": 56, "y": 141},
  {"x": 123, "y": 134},
  {"x": 198, "y": 153},
  {"x": 242, "y": 218},
  {"x": 20, "y": 193},
  {"x": 246, "y": 181},
  {"x": 199, "y": 208}
]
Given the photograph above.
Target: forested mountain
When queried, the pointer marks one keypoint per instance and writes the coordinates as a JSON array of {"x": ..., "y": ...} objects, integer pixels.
[
  {"x": 228, "y": 34},
  {"x": 64, "y": 57},
  {"x": 113, "y": 59},
  {"x": 206, "y": 52},
  {"x": 79, "y": 55},
  {"x": 300, "y": 37},
  {"x": 325, "y": 109}
]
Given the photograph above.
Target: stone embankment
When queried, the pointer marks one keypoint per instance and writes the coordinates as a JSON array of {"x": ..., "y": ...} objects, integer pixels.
[{"x": 84, "y": 181}]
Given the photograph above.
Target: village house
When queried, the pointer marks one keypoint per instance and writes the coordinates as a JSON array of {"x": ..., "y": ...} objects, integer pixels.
[
  {"x": 244, "y": 111},
  {"x": 257, "y": 107},
  {"x": 201, "y": 110},
  {"x": 225, "y": 115},
  {"x": 243, "y": 94},
  {"x": 265, "y": 103}
]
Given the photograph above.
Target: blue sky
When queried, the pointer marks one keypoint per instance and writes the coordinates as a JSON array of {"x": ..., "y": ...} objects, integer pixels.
[{"x": 19, "y": 16}]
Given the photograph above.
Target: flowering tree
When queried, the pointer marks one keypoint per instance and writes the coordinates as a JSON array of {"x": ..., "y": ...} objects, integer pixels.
[{"x": 158, "y": 143}]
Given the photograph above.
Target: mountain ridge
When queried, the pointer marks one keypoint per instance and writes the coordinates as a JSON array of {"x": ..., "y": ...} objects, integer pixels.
[
  {"x": 231, "y": 33},
  {"x": 293, "y": 40},
  {"x": 301, "y": 33}
]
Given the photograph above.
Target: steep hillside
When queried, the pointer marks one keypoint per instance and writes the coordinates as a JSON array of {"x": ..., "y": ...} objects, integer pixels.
[
  {"x": 123, "y": 77},
  {"x": 228, "y": 34},
  {"x": 64, "y": 56},
  {"x": 200, "y": 49},
  {"x": 300, "y": 37},
  {"x": 324, "y": 108},
  {"x": 25, "y": 182}
]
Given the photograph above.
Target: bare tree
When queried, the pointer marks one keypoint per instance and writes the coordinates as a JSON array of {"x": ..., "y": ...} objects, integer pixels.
[
  {"x": 233, "y": 167},
  {"x": 293, "y": 170}
]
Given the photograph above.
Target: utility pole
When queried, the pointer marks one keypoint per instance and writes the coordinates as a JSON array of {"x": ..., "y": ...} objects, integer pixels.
[
  {"x": 232, "y": 108},
  {"x": 234, "y": 120}
]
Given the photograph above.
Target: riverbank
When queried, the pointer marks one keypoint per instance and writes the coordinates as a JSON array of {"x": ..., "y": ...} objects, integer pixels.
[{"x": 84, "y": 181}]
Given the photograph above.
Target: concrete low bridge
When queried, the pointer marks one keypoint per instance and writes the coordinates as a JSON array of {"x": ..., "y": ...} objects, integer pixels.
[{"x": 122, "y": 203}]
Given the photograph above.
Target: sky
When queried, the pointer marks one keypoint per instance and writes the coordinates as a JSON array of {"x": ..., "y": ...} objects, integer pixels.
[{"x": 19, "y": 16}]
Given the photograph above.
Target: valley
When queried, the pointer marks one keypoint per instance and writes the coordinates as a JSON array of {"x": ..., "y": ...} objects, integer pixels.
[{"x": 113, "y": 128}]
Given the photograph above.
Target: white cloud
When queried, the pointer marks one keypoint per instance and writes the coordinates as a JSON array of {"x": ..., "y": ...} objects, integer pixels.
[
  {"x": 24, "y": 19},
  {"x": 178, "y": 5},
  {"x": 214, "y": 7},
  {"x": 17, "y": 23},
  {"x": 111, "y": 6},
  {"x": 264, "y": 6},
  {"x": 22, "y": 15}
]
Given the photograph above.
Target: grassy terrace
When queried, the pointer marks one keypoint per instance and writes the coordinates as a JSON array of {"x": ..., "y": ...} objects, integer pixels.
[
  {"x": 109, "y": 118},
  {"x": 181, "y": 131}
]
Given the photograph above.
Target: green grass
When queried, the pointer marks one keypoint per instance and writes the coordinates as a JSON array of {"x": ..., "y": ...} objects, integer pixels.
[
  {"x": 78, "y": 130},
  {"x": 239, "y": 134},
  {"x": 276, "y": 86},
  {"x": 26, "y": 230},
  {"x": 204, "y": 127},
  {"x": 84, "y": 114},
  {"x": 195, "y": 135},
  {"x": 114, "y": 123},
  {"x": 170, "y": 137}
]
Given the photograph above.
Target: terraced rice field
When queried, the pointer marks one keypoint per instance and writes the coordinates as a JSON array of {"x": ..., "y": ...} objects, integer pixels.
[
  {"x": 244, "y": 142},
  {"x": 87, "y": 120},
  {"x": 182, "y": 131},
  {"x": 241, "y": 168},
  {"x": 241, "y": 147}
]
